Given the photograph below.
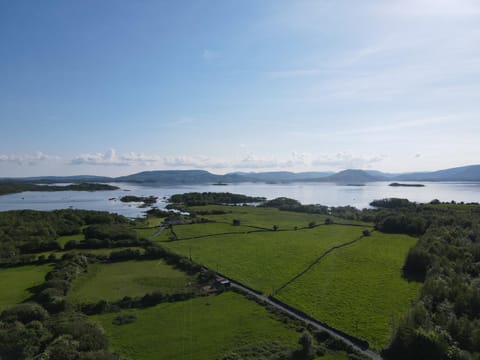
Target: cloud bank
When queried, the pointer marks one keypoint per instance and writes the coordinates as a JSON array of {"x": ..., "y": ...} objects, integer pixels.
[
  {"x": 28, "y": 159},
  {"x": 295, "y": 160}
]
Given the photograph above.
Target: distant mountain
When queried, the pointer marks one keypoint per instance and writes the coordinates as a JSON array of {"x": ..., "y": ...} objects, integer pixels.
[
  {"x": 191, "y": 177},
  {"x": 381, "y": 175},
  {"x": 463, "y": 173},
  {"x": 58, "y": 179},
  {"x": 168, "y": 177},
  {"x": 281, "y": 176},
  {"x": 351, "y": 176}
]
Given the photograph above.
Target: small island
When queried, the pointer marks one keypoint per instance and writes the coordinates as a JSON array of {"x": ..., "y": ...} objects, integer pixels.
[
  {"x": 146, "y": 200},
  {"x": 406, "y": 185},
  {"x": 12, "y": 188}
]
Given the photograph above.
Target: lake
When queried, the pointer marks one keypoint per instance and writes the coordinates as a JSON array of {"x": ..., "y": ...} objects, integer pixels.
[{"x": 307, "y": 193}]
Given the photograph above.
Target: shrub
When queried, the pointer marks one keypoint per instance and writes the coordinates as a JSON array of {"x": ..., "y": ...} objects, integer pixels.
[{"x": 124, "y": 319}]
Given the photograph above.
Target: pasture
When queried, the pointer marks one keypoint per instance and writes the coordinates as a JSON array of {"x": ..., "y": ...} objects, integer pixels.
[
  {"x": 263, "y": 260},
  {"x": 358, "y": 289},
  {"x": 129, "y": 278},
  {"x": 15, "y": 282},
  {"x": 264, "y": 217},
  {"x": 200, "y": 328}
]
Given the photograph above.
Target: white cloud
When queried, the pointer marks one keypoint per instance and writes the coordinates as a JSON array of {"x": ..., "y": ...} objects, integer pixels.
[
  {"x": 108, "y": 158},
  {"x": 346, "y": 161},
  {"x": 201, "y": 162},
  {"x": 28, "y": 159}
]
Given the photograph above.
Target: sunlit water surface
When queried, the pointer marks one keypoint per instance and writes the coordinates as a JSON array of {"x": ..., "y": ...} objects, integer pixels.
[{"x": 307, "y": 193}]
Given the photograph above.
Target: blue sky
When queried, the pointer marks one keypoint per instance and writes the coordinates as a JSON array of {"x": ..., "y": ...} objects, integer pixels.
[{"x": 115, "y": 87}]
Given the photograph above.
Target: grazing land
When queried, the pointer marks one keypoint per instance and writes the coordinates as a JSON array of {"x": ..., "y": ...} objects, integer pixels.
[
  {"x": 16, "y": 282},
  {"x": 358, "y": 289},
  {"x": 130, "y": 278},
  {"x": 265, "y": 217},
  {"x": 201, "y": 328},
  {"x": 62, "y": 240},
  {"x": 207, "y": 229},
  {"x": 264, "y": 260}
]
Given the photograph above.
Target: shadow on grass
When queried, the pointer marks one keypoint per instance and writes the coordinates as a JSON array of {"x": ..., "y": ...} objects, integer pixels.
[{"x": 413, "y": 277}]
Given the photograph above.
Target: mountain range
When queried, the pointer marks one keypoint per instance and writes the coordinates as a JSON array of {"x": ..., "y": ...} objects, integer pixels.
[{"x": 191, "y": 177}]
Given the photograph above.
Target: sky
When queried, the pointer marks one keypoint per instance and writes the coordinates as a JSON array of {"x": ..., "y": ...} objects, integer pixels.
[{"x": 114, "y": 87}]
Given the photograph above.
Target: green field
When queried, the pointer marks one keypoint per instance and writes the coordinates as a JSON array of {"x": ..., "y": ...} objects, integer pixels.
[
  {"x": 264, "y": 260},
  {"x": 265, "y": 217},
  {"x": 207, "y": 229},
  {"x": 130, "y": 278},
  {"x": 146, "y": 232},
  {"x": 62, "y": 240},
  {"x": 201, "y": 328},
  {"x": 358, "y": 289},
  {"x": 15, "y": 282}
]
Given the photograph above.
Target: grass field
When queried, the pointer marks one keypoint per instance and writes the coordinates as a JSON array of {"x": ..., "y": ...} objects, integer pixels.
[
  {"x": 15, "y": 282},
  {"x": 264, "y": 260},
  {"x": 146, "y": 232},
  {"x": 358, "y": 289},
  {"x": 201, "y": 328},
  {"x": 62, "y": 240},
  {"x": 203, "y": 229},
  {"x": 265, "y": 217},
  {"x": 129, "y": 278}
]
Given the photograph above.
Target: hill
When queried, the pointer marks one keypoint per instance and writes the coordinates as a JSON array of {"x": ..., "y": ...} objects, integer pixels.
[
  {"x": 350, "y": 177},
  {"x": 191, "y": 177},
  {"x": 281, "y": 176},
  {"x": 463, "y": 173}
]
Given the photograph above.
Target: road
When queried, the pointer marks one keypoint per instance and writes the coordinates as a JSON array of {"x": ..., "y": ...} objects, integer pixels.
[{"x": 318, "y": 326}]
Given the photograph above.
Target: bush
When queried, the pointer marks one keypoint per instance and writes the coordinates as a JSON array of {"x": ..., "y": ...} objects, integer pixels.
[
  {"x": 24, "y": 313},
  {"x": 124, "y": 319}
]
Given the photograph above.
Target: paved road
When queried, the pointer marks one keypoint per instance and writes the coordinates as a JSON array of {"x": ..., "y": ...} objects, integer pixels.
[{"x": 266, "y": 300}]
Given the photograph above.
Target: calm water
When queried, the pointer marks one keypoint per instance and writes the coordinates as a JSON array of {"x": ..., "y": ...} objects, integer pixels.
[{"x": 307, "y": 193}]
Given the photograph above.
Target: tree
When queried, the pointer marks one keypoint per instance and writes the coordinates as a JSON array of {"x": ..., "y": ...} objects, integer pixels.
[{"x": 306, "y": 341}]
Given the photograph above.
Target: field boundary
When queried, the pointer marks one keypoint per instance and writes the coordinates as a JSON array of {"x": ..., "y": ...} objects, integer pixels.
[
  {"x": 315, "y": 262},
  {"x": 358, "y": 344}
]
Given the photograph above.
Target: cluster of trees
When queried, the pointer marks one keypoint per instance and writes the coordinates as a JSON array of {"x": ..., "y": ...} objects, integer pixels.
[
  {"x": 28, "y": 231},
  {"x": 146, "y": 200},
  {"x": 445, "y": 322},
  {"x": 107, "y": 236},
  {"x": 28, "y": 331},
  {"x": 51, "y": 329},
  {"x": 147, "y": 300},
  {"x": 213, "y": 198},
  {"x": 287, "y": 204},
  {"x": 156, "y": 212},
  {"x": 11, "y": 188},
  {"x": 51, "y": 294}
]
